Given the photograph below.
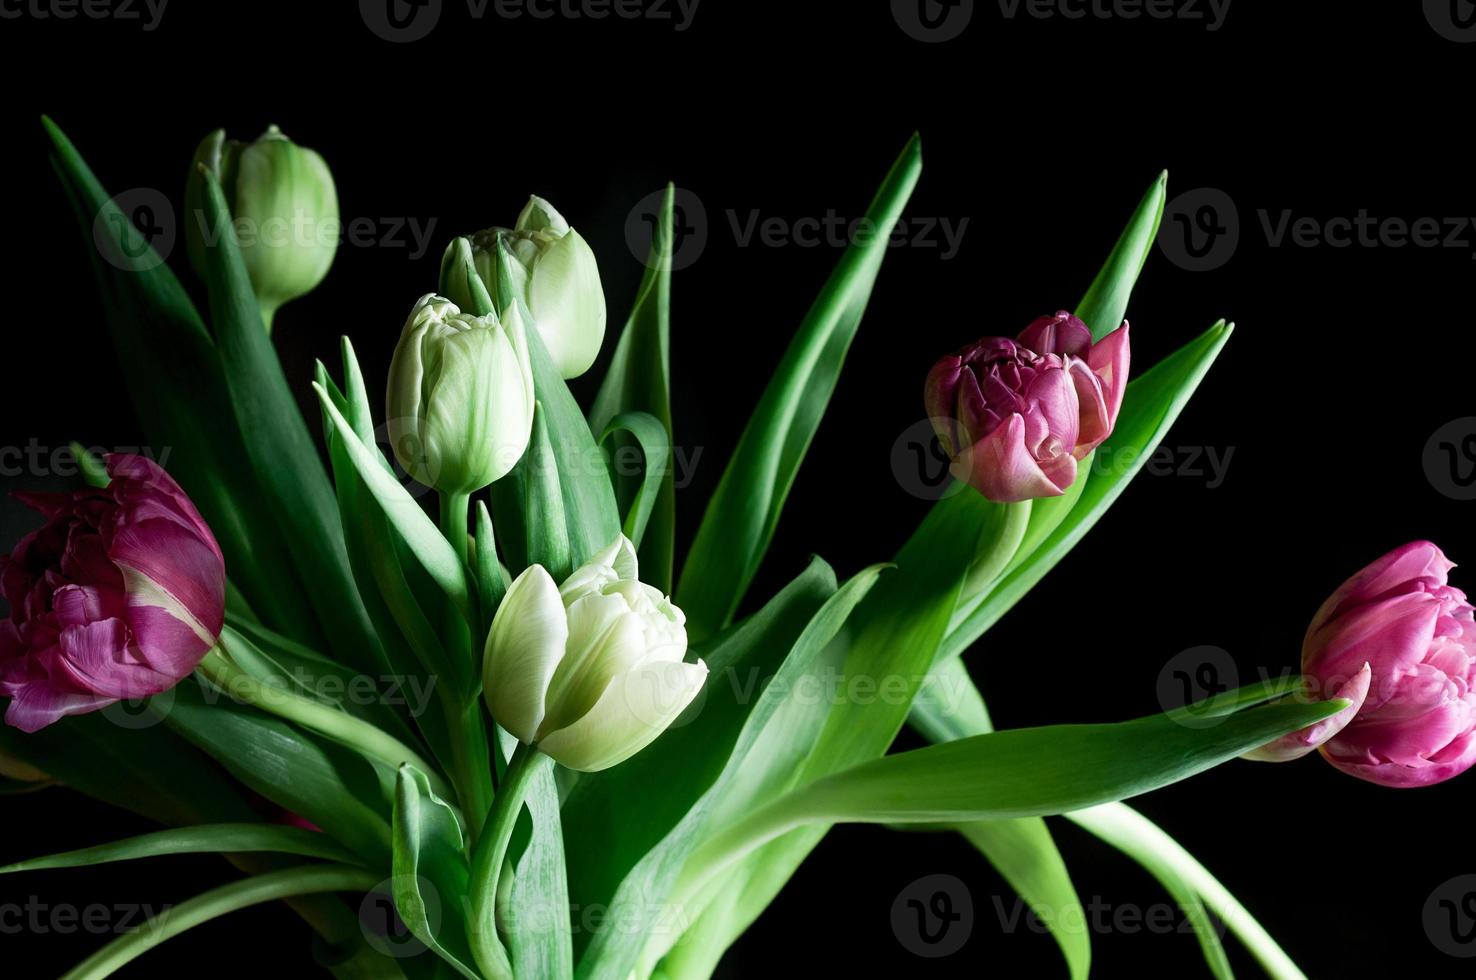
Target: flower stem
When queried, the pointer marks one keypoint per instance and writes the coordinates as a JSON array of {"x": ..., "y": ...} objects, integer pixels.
[
  {"x": 491, "y": 851},
  {"x": 338, "y": 725}
]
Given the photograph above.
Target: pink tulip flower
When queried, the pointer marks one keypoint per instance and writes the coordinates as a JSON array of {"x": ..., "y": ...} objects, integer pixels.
[
  {"x": 1417, "y": 725},
  {"x": 118, "y": 596},
  {"x": 1016, "y": 416}
]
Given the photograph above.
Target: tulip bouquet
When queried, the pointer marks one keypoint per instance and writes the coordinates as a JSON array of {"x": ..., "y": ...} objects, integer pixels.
[{"x": 506, "y": 718}]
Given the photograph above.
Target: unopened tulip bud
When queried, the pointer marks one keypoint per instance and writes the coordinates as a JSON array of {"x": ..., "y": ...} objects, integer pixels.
[
  {"x": 1016, "y": 416},
  {"x": 118, "y": 596},
  {"x": 460, "y": 401},
  {"x": 553, "y": 271},
  {"x": 285, "y": 211},
  {"x": 590, "y": 672}
]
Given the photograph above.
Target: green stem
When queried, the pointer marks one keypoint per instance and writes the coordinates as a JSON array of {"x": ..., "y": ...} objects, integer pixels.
[
  {"x": 491, "y": 851},
  {"x": 471, "y": 767},
  {"x": 1138, "y": 837},
  {"x": 291, "y": 882},
  {"x": 338, "y": 725}
]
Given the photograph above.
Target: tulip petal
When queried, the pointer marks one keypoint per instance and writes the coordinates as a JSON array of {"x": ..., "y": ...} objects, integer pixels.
[
  {"x": 1003, "y": 470},
  {"x": 615, "y": 563},
  {"x": 636, "y": 708},
  {"x": 524, "y": 647},
  {"x": 168, "y": 567},
  {"x": 1393, "y": 636},
  {"x": 568, "y": 303},
  {"x": 1110, "y": 359},
  {"x": 1404, "y": 569},
  {"x": 1301, "y": 742},
  {"x": 1059, "y": 334},
  {"x": 606, "y": 639},
  {"x": 36, "y": 705},
  {"x": 97, "y": 658}
]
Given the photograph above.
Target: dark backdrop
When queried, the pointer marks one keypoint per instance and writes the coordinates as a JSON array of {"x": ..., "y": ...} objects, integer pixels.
[{"x": 1041, "y": 133}]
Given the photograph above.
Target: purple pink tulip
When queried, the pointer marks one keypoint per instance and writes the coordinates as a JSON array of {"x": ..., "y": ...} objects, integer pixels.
[
  {"x": 117, "y": 596},
  {"x": 1017, "y": 416}
]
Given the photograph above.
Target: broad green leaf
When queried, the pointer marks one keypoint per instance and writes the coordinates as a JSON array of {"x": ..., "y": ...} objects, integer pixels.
[
  {"x": 1152, "y": 403},
  {"x": 744, "y": 511},
  {"x": 653, "y": 441},
  {"x": 131, "y": 761},
  {"x": 431, "y": 873},
  {"x": 174, "y": 378},
  {"x": 309, "y": 880},
  {"x": 592, "y": 517},
  {"x": 543, "y": 506},
  {"x": 404, "y": 514},
  {"x": 686, "y": 760},
  {"x": 761, "y": 761},
  {"x": 331, "y": 786},
  {"x": 1010, "y": 774},
  {"x": 277, "y": 443},
  {"x": 1105, "y": 303},
  {"x": 1024, "y": 853},
  {"x": 540, "y": 939},
  {"x": 639, "y": 380},
  {"x": 208, "y": 839}
]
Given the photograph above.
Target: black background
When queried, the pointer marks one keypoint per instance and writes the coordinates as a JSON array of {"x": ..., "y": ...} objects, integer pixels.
[{"x": 1043, "y": 134}]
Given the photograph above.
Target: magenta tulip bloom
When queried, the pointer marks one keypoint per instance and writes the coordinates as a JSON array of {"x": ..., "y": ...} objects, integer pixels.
[
  {"x": 118, "y": 596},
  {"x": 1417, "y": 636},
  {"x": 1017, "y": 415}
]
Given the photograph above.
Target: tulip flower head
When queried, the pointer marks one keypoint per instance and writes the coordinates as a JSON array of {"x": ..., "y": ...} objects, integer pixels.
[
  {"x": 117, "y": 596},
  {"x": 1415, "y": 634},
  {"x": 1016, "y": 416},
  {"x": 554, "y": 273},
  {"x": 285, "y": 209},
  {"x": 590, "y": 672},
  {"x": 460, "y": 396}
]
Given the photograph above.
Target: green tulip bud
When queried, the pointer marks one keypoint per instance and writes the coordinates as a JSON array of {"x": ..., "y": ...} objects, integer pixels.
[
  {"x": 552, "y": 270},
  {"x": 285, "y": 212},
  {"x": 460, "y": 396},
  {"x": 591, "y": 671}
]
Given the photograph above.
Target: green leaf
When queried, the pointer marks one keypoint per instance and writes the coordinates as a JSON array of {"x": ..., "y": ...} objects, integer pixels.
[
  {"x": 1105, "y": 303},
  {"x": 592, "y": 518},
  {"x": 174, "y": 378},
  {"x": 138, "y": 765},
  {"x": 491, "y": 586},
  {"x": 405, "y": 516},
  {"x": 94, "y": 471},
  {"x": 1152, "y": 403},
  {"x": 540, "y": 936},
  {"x": 1024, "y": 853},
  {"x": 639, "y": 380},
  {"x": 1010, "y": 774},
  {"x": 210, "y": 839},
  {"x": 744, "y": 511},
  {"x": 653, "y": 440},
  {"x": 543, "y": 507},
  {"x": 310, "y": 880},
  {"x": 431, "y": 873},
  {"x": 280, "y": 450},
  {"x": 331, "y": 786},
  {"x": 772, "y": 734},
  {"x": 685, "y": 761}
]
